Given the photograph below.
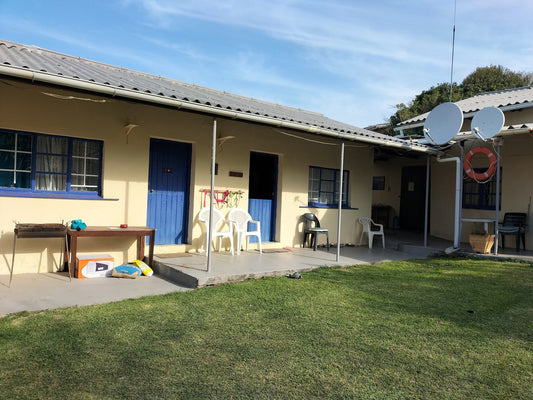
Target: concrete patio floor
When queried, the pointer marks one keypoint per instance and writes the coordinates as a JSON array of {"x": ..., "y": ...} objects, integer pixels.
[
  {"x": 34, "y": 292},
  {"x": 191, "y": 270}
]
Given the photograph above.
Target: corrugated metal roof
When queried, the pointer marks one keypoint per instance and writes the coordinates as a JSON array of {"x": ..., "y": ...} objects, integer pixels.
[
  {"x": 508, "y": 98},
  {"x": 66, "y": 70}
]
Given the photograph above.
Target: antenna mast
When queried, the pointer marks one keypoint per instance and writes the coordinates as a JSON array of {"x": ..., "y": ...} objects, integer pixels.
[{"x": 453, "y": 50}]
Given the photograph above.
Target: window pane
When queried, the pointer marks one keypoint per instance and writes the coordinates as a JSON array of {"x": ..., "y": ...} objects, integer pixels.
[
  {"x": 327, "y": 186},
  {"x": 7, "y": 141},
  {"x": 328, "y": 174},
  {"x": 23, "y": 180},
  {"x": 50, "y": 182},
  {"x": 24, "y": 161},
  {"x": 6, "y": 179},
  {"x": 93, "y": 167},
  {"x": 24, "y": 142},
  {"x": 52, "y": 145},
  {"x": 93, "y": 149},
  {"x": 78, "y": 148},
  {"x": 78, "y": 165},
  {"x": 77, "y": 180},
  {"x": 51, "y": 164},
  {"x": 84, "y": 148},
  {"x": 326, "y": 198},
  {"x": 7, "y": 160}
]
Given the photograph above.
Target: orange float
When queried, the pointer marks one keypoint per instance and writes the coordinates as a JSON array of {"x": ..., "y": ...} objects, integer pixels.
[{"x": 480, "y": 176}]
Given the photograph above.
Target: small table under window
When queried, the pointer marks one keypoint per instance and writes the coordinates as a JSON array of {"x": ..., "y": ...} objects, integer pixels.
[{"x": 109, "y": 231}]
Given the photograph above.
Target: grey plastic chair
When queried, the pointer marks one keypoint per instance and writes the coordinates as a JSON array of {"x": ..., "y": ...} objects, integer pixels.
[{"x": 312, "y": 230}]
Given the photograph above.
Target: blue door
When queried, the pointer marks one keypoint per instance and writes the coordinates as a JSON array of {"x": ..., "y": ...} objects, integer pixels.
[
  {"x": 263, "y": 193},
  {"x": 168, "y": 190}
]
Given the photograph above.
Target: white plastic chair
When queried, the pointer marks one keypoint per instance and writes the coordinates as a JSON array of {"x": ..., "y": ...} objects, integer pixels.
[
  {"x": 218, "y": 222},
  {"x": 240, "y": 218},
  {"x": 368, "y": 225}
]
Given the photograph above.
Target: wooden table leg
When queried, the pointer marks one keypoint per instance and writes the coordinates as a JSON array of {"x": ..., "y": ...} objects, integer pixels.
[
  {"x": 151, "y": 249},
  {"x": 140, "y": 248},
  {"x": 73, "y": 253}
]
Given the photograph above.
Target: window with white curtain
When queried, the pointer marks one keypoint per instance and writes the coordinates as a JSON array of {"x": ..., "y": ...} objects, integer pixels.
[
  {"x": 323, "y": 189},
  {"x": 31, "y": 162}
]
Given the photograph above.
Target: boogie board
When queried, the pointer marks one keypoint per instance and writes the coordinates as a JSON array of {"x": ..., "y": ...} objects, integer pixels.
[{"x": 126, "y": 271}]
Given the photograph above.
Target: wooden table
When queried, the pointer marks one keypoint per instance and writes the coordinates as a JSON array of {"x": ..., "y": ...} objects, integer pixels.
[
  {"x": 109, "y": 231},
  {"x": 484, "y": 221}
]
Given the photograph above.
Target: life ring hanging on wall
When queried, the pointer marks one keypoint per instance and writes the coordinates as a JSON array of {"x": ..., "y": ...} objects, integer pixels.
[{"x": 480, "y": 176}]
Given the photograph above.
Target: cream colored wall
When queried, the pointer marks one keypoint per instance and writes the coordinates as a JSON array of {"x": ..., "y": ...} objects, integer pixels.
[
  {"x": 517, "y": 189},
  {"x": 392, "y": 171},
  {"x": 125, "y": 172}
]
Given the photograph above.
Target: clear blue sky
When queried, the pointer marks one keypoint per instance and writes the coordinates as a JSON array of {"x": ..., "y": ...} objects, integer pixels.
[{"x": 351, "y": 60}]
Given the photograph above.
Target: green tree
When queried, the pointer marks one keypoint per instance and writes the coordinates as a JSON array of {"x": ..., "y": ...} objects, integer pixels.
[
  {"x": 489, "y": 79},
  {"x": 483, "y": 79}
]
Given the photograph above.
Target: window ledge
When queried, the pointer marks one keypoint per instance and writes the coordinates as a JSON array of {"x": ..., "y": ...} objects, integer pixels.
[
  {"x": 51, "y": 195},
  {"x": 335, "y": 207}
]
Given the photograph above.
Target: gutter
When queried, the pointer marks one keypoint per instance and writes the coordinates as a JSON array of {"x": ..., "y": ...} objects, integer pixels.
[
  {"x": 470, "y": 114},
  {"x": 506, "y": 132},
  {"x": 35, "y": 76}
]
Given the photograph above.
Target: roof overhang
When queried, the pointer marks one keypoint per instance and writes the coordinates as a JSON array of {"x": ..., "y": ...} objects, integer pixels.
[{"x": 113, "y": 91}]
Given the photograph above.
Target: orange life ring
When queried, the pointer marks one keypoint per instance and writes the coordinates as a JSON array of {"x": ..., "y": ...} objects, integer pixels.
[{"x": 480, "y": 176}]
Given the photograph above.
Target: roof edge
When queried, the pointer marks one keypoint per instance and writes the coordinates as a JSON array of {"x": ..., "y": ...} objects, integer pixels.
[{"x": 45, "y": 77}]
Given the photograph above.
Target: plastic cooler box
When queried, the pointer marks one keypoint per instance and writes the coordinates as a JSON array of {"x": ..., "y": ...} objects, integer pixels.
[{"x": 94, "y": 266}]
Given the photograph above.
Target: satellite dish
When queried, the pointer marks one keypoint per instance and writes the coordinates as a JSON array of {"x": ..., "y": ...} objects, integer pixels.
[
  {"x": 487, "y": 122},
  {"x": 443, "y": 123}
]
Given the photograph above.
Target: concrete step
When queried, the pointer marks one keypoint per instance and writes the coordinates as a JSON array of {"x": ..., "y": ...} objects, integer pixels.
[
  {"x": 174, "y": 275},
  {"x": 419, "y": 251}
]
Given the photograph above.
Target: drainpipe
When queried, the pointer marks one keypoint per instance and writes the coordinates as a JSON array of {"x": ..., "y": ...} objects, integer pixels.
[{"x": 458, "y": 178}]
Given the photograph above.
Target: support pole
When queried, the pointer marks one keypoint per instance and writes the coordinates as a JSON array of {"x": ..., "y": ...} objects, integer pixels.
[
  {"x": 497, "y": 213},
  {"x": 426, "y": 218},
  {"x": 210, "y": 227},
  {"x": 457, "y": 224},
  {"x": 340, "y": 204}
]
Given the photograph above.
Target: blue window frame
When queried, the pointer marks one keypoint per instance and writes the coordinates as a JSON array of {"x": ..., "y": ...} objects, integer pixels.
[
  {"x": 324, "y": 187},
  {"x": 481, "y": 196},
  {"x": 35, "y": 164}
]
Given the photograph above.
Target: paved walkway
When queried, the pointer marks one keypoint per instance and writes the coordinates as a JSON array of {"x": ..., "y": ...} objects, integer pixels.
[{"x": 34, "y": 292}]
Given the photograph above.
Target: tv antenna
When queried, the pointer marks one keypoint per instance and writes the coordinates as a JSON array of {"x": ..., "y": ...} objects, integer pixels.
[{"x": 453, "y": 49}]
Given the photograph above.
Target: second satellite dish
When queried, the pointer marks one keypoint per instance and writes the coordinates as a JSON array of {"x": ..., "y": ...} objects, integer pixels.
[
  {"x": 487, "y": 122},
  {"x": 443, "y": 123}
]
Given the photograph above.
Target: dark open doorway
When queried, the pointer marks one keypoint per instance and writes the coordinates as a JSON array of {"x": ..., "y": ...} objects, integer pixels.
[{"x": 413, "y": 198}]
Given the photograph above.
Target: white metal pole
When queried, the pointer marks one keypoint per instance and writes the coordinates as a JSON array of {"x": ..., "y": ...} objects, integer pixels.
[
  {"x": 497, "y": 216},
  {"x": 458, "y": 178},
  {"x": 426, "y": 218},
  {"x": 210, "y": 227},
  {"x": 340, "y": 204}
]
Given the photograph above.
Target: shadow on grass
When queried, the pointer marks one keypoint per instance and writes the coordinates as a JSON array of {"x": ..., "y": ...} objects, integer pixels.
[{"x": 470, "y": 293}]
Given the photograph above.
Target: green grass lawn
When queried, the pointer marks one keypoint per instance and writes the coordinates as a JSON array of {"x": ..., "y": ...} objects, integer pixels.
[{"x": 424, "y": 329}]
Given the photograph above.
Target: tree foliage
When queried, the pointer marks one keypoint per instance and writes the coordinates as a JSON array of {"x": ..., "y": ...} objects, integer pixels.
[{"x": 483, "y": 79}]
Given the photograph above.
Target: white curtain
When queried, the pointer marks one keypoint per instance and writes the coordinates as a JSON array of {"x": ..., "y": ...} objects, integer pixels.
[{"x": 52, "y": 161}]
